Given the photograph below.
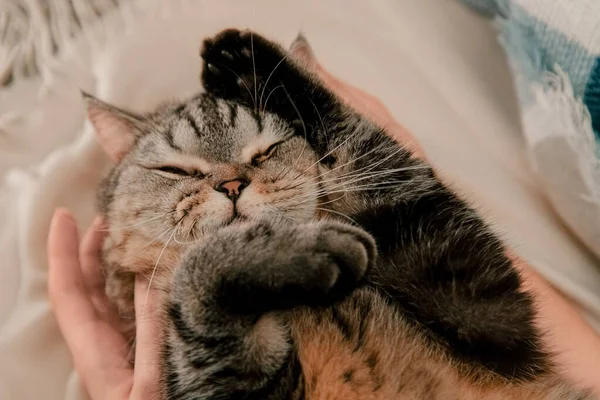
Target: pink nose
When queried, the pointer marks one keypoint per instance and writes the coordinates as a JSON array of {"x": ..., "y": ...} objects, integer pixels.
[{"x": 232, "y": 188}]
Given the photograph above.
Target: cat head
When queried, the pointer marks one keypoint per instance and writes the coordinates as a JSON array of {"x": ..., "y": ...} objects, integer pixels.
[{"x": 192, "y": 167}]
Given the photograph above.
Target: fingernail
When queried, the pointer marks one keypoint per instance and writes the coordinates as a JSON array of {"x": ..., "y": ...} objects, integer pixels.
[
  {"x": 64, "y": 225},
  {"x": 100, "y": 222},
  {"x": 64, "y": 213}
]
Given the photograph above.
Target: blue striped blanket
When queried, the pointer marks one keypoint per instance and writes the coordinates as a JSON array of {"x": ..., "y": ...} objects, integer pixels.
[{"x": 553, "y": 48}]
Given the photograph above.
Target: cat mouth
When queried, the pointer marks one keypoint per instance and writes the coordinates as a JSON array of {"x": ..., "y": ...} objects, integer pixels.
[{"x": 236, "y": 217}]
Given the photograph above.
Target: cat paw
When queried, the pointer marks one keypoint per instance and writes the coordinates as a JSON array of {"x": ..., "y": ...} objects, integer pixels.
[
  {"x": 309, "y": 264},
  {"x": 348, "y": 249},
  {"x": 261, "y": 267},
  {"x": 238, "y": 64}
]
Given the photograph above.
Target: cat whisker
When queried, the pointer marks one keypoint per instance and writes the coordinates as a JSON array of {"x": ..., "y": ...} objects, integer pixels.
[
  {"x": 348, "y": 179},
  {"x": 338, "y": 213},
  {"x": 161, "y": 237},
  {"x": 342, "y": 188},
  {"x": 281, "y": 214},
  {"x": 189, "y": 233},
  {"x": 289, "y": 187},
  {"x": 334, "y": 200},
  {"x": 156, "y": 265},
  {"x": 343, "y": 143},
  {"x": 120, "y": 228},
  {"x": 266, "y": 84},
  {"x": 192, "y": 226},
  {"x": 254, "y": 71},
  {"x": 352, "y": 177},
  {"x": 367, "y": 167},
  {"x": 316, "y": 197},
  {"x": 325, "y": 134},
  {"x": 377, "y": 186},
  {"x": 284, "y": 169},
  {"x": 181, "y": 191},
  {"x": 303, "y": 125},
  {"x": 270, "y": 93},
  {"x": 329, "y": 153},
  {"x": 358, "y": 158},
  {"x": 364, "y": 188}
]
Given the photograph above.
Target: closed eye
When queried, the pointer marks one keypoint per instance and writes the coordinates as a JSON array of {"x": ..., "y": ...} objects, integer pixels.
[
  {"x": 264, "y": 156},
  {"x": 171, "y": 171}
]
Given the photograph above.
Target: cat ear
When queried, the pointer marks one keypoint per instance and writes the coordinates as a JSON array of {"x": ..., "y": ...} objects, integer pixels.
[
  {"x": 116, "y": 129},
  {"x": 302, "y": 52}
]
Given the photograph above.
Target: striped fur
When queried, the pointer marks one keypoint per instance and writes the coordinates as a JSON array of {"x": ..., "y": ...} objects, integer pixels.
[{"x": 344, "y": 269}]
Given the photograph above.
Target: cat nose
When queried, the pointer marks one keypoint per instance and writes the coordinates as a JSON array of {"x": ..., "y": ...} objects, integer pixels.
[{"x": 232, "y": 188}]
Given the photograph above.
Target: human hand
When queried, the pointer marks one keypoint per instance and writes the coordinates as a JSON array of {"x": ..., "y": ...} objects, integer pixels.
[{"x": 90, "y": 325}]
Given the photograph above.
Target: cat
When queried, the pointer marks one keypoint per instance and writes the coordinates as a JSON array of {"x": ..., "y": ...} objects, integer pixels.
[{"x": 304, "y": 254}]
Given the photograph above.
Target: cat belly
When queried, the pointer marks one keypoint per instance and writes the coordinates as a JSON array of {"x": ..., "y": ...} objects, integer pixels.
[{"x": 362, "y": 349}]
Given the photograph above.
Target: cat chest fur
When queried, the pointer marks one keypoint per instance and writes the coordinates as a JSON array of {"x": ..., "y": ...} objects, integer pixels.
[{"x": 363, "y": 349}]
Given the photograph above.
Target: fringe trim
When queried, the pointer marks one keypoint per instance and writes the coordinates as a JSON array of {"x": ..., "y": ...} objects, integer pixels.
[
  {"x": 556, "y": 112},
  {"x": 550, "y": 109},
  {"x": 575, "y": 189},
  {"x": 34, "y": 32},
  {"x": 548, "y": 103}
]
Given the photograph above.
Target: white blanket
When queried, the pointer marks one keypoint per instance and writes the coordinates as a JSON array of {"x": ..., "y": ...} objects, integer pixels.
[{"x": 436, "y": 66}]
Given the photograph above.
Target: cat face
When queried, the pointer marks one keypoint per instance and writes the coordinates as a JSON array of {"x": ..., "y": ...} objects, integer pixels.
[{"x": 191, "y": 168}]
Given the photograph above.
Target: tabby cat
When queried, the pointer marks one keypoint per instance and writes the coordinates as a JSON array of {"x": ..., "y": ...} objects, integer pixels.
[{"x": 303, "y": 253}]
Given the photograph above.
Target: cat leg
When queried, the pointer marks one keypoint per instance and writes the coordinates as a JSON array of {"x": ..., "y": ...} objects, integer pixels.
[
  {"x": 228, "y": 337},
  {"x": 450, "y": 275}
]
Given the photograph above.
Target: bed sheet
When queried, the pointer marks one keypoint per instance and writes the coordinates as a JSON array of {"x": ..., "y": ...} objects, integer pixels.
[{"x": 437, "y": 67}]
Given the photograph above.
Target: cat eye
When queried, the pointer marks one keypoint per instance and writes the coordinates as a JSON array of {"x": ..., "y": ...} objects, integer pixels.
[
  {"x": 173, "y": 170},
  {"x": 329, "y": 160},
  {"x": 169, "y": 169},
  {"x": 260, "y": 158}
]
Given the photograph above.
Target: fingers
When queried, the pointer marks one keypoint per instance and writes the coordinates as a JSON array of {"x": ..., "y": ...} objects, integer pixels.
[
  {"x": 66, "y": 287},
  {"x": 149, "y": 335},
  {"x": 91, "y": 268},
  {"x": 89, "y": 254},
  {"x": 98, "y": 350}
]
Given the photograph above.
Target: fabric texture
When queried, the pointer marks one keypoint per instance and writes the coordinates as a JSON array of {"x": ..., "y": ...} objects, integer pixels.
[
  {"x": 31, "y": 31},
  {"x": 437, "y": 66},
  {"x": 554, "y": 52}
]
